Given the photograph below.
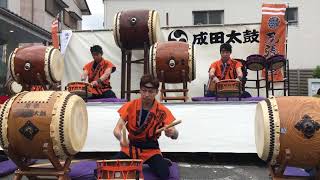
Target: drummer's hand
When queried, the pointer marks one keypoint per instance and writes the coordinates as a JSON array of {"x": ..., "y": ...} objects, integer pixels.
[
  {"x": 169, "y": 132},
  {"x": 94, "y": 83}
]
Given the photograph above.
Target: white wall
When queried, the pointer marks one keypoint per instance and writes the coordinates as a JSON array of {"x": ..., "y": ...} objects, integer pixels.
[
  {"x": 303, "y": 38},
  {"x": 14, "y": 6}
]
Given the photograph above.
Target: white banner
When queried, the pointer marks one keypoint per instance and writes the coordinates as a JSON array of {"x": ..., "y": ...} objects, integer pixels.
[
  {"x": 206, "y": 40},
  {"x": 64, "y": 39}
]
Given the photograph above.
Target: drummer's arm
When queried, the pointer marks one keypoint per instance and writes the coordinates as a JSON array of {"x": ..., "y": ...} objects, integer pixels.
[
  {"x": 212, "y": 75},
  {"x": 106, "y": 74},
  {"x": 239, "y": 73},
  {"x": 117, "y": 130},
  {"x": 84, "y": 75}
]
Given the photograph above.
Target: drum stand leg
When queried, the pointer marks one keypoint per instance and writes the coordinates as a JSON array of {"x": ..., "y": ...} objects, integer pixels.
[
  {"x": 59, "y": 171},
  {"x": 163, "y": 90}
]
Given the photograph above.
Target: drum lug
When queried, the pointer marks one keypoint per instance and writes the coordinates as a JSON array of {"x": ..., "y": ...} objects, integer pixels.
[
  {"x": 29, "y": 130},
  {"x": 27, "y": 66},
  {"x": 133, "y": 21},
  {"x": 307, "y": 126}
]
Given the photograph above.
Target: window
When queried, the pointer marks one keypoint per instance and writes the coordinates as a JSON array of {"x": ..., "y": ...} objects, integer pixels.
[
  {"x": 53, "y": 7},
  {"x": 208, "y": 17},
  {"x": 69, "y": 20},
  {"x": 3, "y": 3},
  {"x": 292, "y": 15}
]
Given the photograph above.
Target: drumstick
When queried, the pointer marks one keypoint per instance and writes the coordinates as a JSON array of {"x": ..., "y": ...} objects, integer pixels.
[
  {"x": 169, "y": 126},
  {"x": 124, "y": 133}
]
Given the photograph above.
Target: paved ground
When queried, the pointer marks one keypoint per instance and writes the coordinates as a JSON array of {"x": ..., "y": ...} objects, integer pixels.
[{"x": 206, "y": 166}]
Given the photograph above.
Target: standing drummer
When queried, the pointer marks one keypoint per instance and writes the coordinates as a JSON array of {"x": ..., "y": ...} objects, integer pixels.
[
  {"x": 98, "y": 73},
  {"x": 142, "y": 117}
]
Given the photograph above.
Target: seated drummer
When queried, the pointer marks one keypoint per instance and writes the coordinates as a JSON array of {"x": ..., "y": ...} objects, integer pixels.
[
  {"x": 142, "y": 117},
  {"x": 99, "y": 72},
  {"x": 225, "y": 68}
]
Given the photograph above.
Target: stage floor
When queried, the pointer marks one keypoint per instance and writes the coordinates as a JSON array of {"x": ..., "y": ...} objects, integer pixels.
[{"x": 207, "y": 127}]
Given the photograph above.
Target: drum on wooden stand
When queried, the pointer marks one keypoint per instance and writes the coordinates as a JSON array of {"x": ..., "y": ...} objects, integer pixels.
[
  {"x": 132, "y": 29},
  {"x": 287, "y": 131},
  {"x": 130, "y": 169},
  {"x": 256, "y": 62},
  {"x": 31, "y": 120},
  {"x": 36, "y": 65},
  {"x": 229, "y": 88},
  {"x": 173, "y": 58},
  {"x": 276, "y": 62},
  {"x": 81, "y": 89}
]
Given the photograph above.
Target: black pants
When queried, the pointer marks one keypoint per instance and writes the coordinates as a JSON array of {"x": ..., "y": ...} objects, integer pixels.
[
  {"x": 107, "y": 94},
  {"x": 157, "y": 163}
]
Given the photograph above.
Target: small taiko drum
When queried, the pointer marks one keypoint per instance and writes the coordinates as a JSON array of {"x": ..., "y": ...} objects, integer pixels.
[
  {"x": 13, "y": 87},
  {"x": 36, "y": 65},
  {"x": 132, "y": 29},
  {"x": 130, "y": 169},
  {"x": 30, "y": 121},
  {"x": 255, "y": 62},
  {"x": 229, "y": 88},
  {"x": 172, "y": 62},
  {"x": 276, "y": 62},
  {"x": 287, "y": 131},
  {"x": 81, "y": 89}
]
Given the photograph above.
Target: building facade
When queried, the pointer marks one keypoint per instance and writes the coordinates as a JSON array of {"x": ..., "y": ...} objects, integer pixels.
[{"x": 303, "y": 27}]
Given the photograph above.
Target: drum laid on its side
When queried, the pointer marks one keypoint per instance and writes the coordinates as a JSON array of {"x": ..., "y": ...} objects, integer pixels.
[
  {"x": 31, "y": 119},
  {"x": 288, "y": 123},
  {"x": 132, "y": 29},
  {"x": 27, "y": 63},
  {"x": 172, "y": 58}
]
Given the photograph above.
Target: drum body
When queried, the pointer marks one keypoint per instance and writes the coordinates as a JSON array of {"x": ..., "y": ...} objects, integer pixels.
[
  {"x": 120, "y": 169},
  {"x": 13, "y": 87},
  {"x": 276, "y": 62},
  {"x": 27, "y": 64},
  {"x": 132, "y": 29},
  {"x": 256, "y": 62},
  {"x": 288, "y": 123},
  {"x": 172, "y": 58},
  {"x": 229, "y": 88},
  {"x": 81, "y": 89},
  {"x": 31, "y": 119}
]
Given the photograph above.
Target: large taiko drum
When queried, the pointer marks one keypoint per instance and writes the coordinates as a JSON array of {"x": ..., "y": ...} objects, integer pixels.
[
  {"x": 31, "y": 120},
  {"x": 132, "y": 29},
  {"x": 288, "y": 126},
  {"x": 13, "y": 87},
  {"x": 130, "y": 169},
  {"x": 172, "y": 58},
  {"x": 27, "y": 64}
]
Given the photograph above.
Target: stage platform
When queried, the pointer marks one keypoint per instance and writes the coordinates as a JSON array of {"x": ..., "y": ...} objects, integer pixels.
[{"x": 216, "y": 127}]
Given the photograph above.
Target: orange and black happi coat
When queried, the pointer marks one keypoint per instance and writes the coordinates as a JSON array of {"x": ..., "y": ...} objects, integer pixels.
[
  {"x": 142, "y": 137},
  {"x": 95, "y": 71}
]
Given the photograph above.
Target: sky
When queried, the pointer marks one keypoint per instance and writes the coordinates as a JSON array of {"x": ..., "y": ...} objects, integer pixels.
[{"x": 94, "y": 21}]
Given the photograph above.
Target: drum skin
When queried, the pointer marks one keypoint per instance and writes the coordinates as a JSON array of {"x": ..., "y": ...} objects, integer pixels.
[
  {"x": 13, "y": 87},
  {"x": 133, "y": 28},
  {"x": 172, "y": 58},
  {"x": 30, "y": 119},
  {"x": 27, "y": 63},
  {"x": 290, "y": 123}
]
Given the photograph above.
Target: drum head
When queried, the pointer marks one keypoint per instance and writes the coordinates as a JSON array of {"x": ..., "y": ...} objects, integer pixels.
[
  {"x": 15, "y": 87},
  {"x": 56, "y": 65},
  {"x": 155, "y": 29},
  {"x": 76, "y": 123},
  {"x": 69, "y": 124},
  {"x": 267, "y": 130}
]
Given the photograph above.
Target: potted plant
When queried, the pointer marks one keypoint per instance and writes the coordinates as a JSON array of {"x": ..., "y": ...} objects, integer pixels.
[{"x": 314, "y": 83}]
